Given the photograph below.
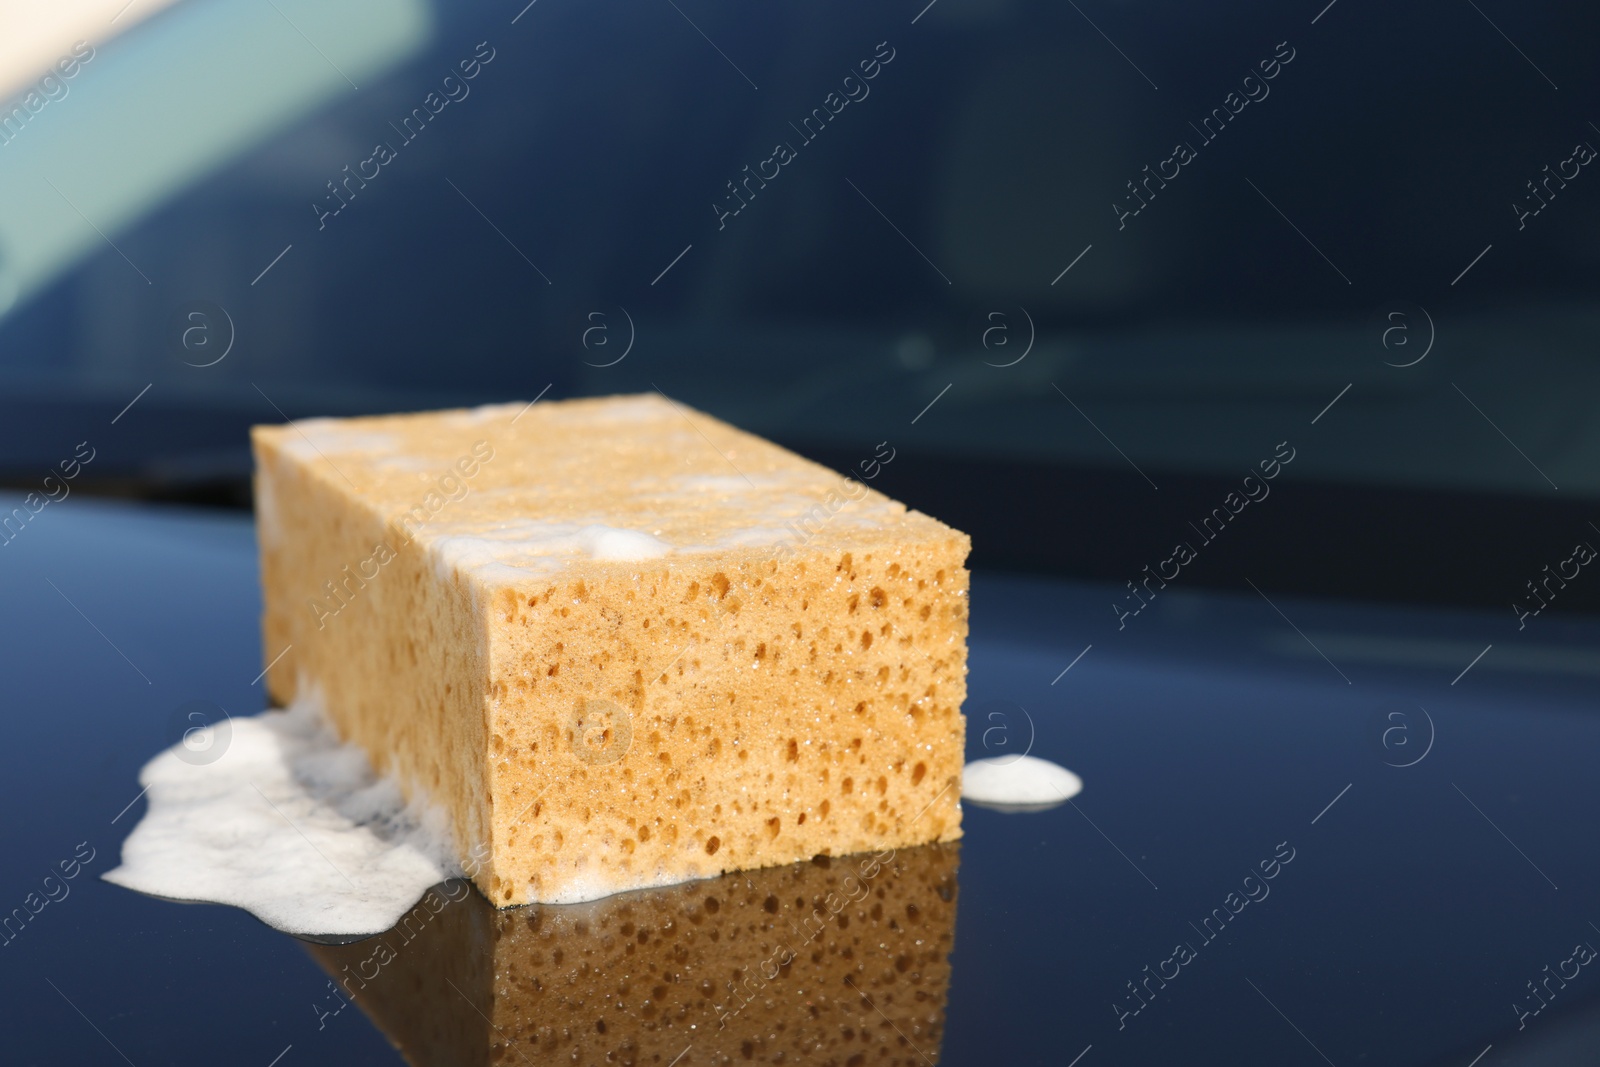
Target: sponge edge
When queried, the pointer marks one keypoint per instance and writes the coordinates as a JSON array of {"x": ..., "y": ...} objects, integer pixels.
[{"x": 621, "y": 643}]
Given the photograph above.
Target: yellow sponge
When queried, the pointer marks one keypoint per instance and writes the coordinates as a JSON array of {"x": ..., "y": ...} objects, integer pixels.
[{"x": 618, "y": 642}]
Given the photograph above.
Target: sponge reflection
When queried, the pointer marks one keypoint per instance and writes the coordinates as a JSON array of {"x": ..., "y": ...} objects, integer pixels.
[{"x": 842, "y": 959}]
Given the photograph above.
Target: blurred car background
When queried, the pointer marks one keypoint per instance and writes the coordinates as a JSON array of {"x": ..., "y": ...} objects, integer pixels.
[{"x": 963, "y": 255}]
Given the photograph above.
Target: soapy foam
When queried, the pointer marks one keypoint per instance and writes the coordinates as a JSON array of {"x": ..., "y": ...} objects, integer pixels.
[
  {"x": 581, "y": 889},
  {"x": 316, "y": 439},
  {"x": 721, "y": 484},
  {"x": 288, "y": 824},
  {"x": 268, "y": 525},
  {"x": 509, "y": 550},
  {"x": 297, "y": 829},
  {"x": 524, "y": 547},
  {"x": 421, "y": 465},
  {"x": 620, "y": 411},
  {"x": 1018, "y": 781},
  {"x": 485, "y": 412}
]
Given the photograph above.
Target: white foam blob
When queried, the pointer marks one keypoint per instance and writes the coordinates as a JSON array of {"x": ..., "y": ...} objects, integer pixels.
[
  {"x": 289, "y": 824},
  {"x": 535, "y": 546},
  {"x": 617, "y": 410},
  {"x": 1018, "y": 781},
  {"x": 315, "y": 439},
  {"x": 606, "y": 542}
]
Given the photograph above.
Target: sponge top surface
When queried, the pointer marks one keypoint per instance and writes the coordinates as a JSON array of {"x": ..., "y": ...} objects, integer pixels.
[{"x": 514, "y": 492}]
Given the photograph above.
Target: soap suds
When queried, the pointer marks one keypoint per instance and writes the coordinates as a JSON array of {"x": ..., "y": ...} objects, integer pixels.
[
  {"x": 509, "y": 550},
  {"x": 522, "y": 548},
  {"x": 722, "y": 484},
  {"x": 318, "y": 438},
  {"x": 296, "y": 828},
  {"x": 1018, "y": 782},
  {"x": 268, "y": 524},
  {"x": 287, "y": 823},
  {"x": 582, "y": 888},
  {"x": 753, "y": 537},
  {"x": 485, "y": 413},
  {"x": 405, "y": 463},
  {"x": 620, "y": 410}
]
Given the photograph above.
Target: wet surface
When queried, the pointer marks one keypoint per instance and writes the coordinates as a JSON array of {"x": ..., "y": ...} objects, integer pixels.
[{"x": 1277, "y": 857}]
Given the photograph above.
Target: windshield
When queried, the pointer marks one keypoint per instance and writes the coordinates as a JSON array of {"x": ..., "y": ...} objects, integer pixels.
[{"x": 1104, "y": 247}]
